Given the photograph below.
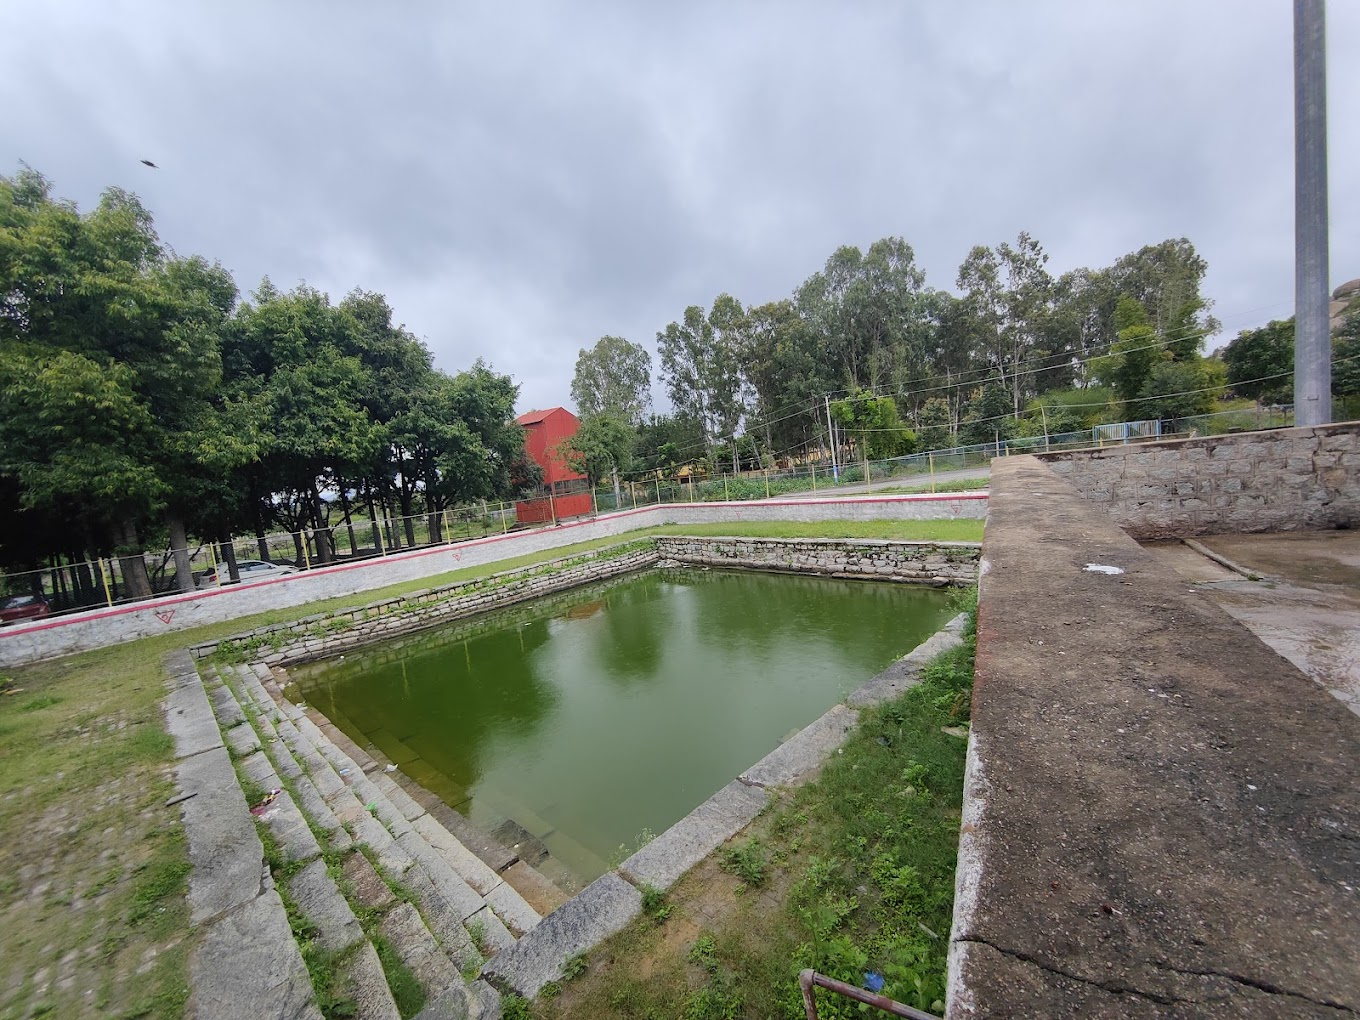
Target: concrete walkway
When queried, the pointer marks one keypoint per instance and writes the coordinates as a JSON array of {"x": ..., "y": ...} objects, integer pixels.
[
  {"x": 1306, "y": 604},
  {"x": 1161, "y": 816}
]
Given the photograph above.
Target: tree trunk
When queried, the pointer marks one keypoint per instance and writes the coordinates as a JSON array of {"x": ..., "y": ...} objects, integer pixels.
[
  {"x": 407, "y": 513},
  {"x": 179, "y": 548},
  {"x": 136, "y": 583},
  {"x": 227, "y": 551},
  {"x": 349, "y": 523},
  {"x": 393, "y": 529},
  {"x": 373, "y": 519},
  {"x": 618, "y": 492},
  {"x": 325, "y": 550}
]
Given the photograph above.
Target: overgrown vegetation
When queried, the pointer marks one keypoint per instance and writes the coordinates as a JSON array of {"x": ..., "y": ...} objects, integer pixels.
[{"x": 852, "y": 875}]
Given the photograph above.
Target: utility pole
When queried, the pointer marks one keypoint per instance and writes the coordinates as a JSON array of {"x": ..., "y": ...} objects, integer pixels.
[
  {"x": 831, "y": 437},
  {"x": 1312, "y": 333}
]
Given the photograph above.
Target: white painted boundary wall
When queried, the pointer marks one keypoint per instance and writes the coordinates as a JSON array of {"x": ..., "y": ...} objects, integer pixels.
[{"x": 99, "y": 628}]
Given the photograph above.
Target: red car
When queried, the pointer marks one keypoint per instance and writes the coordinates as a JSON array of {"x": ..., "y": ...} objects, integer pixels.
[{"x": 23, "y": 607}]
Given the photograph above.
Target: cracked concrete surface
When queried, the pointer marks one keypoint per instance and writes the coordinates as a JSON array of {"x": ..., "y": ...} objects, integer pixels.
[{"x": 1171, "y": 826}]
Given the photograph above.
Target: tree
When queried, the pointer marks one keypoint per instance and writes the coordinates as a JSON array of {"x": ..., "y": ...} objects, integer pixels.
[
  {"x": 989, "y": 417},
  {"x": 932, "y": 424},
  {"x": 874, "y": 424},
  {"x": 1346, "y": 357},
  {"x": 701, "y": 370},
  {"x": 601, "y": 447},
  {"x": 1130, "y": 361},
  {"x": 1176, "y": 389},
  {"x": 614, "y": 377},
  {"x": 1261, "y": 362}
]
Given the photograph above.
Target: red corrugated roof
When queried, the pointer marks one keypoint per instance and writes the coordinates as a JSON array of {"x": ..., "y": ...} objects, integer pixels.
[{"x": 534, "y": 417}]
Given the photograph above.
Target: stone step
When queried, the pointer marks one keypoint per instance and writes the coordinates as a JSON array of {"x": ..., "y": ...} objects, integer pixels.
[
  {"x": 316, "y": 895},
  {"x": 382, "y": 817}
]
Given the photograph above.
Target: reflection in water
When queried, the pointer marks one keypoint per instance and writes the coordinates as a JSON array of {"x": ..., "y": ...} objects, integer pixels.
[{"x": 589, "y": 718}]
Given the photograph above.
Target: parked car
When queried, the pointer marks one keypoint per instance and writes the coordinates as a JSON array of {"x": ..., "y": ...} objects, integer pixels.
[
  {"x": 250, "y": 571},
  {"x": 23, "y": 607}
]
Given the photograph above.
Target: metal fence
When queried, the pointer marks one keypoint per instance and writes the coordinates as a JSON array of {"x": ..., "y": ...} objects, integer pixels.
[{"x": 65, "y": 586}]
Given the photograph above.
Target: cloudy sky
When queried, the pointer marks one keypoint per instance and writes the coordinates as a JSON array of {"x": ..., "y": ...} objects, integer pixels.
[{"x": 520, "y": 179}]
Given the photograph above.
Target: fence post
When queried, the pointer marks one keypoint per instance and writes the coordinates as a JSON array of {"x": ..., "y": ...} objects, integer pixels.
[
  {"x": 727, "y": 496},
  {"x": 767, "y": 483},
  {"x": 632, "y": 490},
  {"x": 657, "y": 479},
  {"x": 306, "y": 553},
  {"x": 814, "y": 475},
  {"x": 104, "y": 576},
  {"x": 505, "y": 521},
  {"x": 217, "y": 571},
  {"x": 931, "y": 457}
]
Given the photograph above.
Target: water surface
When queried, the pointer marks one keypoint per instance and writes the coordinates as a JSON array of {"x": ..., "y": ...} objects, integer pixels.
[{"x": 594, "y": 717}]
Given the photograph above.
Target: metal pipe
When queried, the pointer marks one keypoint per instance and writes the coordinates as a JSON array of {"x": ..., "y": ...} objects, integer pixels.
[
  {"x": 1312, "y": 333},
  {"x": 808, "y": 978}
]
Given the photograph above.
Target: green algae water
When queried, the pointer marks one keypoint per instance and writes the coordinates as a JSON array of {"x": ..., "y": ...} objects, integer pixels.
[{"x": 593, "y": 718}]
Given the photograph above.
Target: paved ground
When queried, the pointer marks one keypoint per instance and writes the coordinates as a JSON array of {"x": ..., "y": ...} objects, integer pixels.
[
  {"x": 907, "y": 481},
  {"x": 1161, "y": 815},
  {"x": 1306, "y": 605}
]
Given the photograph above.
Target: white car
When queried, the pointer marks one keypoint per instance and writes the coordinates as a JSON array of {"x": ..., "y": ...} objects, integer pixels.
[{"x": 250, "y": 571}]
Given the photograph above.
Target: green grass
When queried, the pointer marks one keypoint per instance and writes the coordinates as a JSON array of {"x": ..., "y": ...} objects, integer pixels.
[
  {"x": 962, "y": 485},
  {"x": 850, "y": 873},
  {"x": 90, "y": 857}
]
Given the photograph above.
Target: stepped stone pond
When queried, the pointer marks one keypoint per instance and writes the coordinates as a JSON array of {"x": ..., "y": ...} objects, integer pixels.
[{"x": 588, "y": 720}]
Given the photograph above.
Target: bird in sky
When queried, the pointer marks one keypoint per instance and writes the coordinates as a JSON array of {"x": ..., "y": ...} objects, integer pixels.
[{"x": 147, "y": 162}]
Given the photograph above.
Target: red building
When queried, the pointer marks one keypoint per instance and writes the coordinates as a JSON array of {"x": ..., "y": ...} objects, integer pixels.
[{"x": 566, "y": 493}]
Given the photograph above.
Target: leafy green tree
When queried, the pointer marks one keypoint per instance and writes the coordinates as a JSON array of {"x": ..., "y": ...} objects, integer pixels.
[
  {"x": 1176, "y": 389},
  {"x": 1130, "y": 361},
  {"x": 1261, "y": 362},
  {"x": 989, "y": 417},
  {"x": 600, "y": 448},
  {"x": 932, "y": 424},
  {"x": 875, "y": 426},
  {"x": 614, "y": 377},
  {"x": 699, "y": 364},
  {"x": 1346, "y": 357}
]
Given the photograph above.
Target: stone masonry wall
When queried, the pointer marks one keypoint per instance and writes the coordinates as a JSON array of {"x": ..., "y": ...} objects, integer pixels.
[
  {"x": 1278, "y": 480},
  {"x": 938, "y": 563},
  {"x": 328, "y": 634},
  {"x": 22, "y": 643}
]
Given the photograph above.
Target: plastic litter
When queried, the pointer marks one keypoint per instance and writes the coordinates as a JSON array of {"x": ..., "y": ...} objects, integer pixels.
[
  {"x": 269, "y": 798},
  {"x": 873, "y": 981},
  {"x": 390, "y": 768}
]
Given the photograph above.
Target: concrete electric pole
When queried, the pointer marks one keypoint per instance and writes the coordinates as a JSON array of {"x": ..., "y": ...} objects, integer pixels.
[{"x": 1312, "y": 333}]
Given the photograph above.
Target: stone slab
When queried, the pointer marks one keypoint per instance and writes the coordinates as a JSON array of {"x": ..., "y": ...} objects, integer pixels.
[
  {"x": 189, "y": 719},
  {"x": 477, "y": 1001},
  {"x": 368, "y": 887},
  {"x": 314, "y": 806},
  {"x": 323, "y": 905},
  {"x": 601, "y": 909},
  {"x": 290, "y": 829},
  {"x": 802, "y": 755},
  {"x": 493, "y": 853},
  {"x": 283, "y": 759},
  {"x": 404, "y": 929},
  {"x": 490, "y": 931},
  {"x": 224, "y": 705},
  {"x": 444, "y": 922},
  {"x": 224, "y": 848},
  {"x": 471, "y": 868},
  {"x": 662, "y": 861},
  {"x": 365, "y": 983},
  {"x": 246, "y": 964},
  {"x": 400, "y": 799},
  {"x": 448, "y": 882},
  {"x": 242, "y": 740},
  {"x": 512, "y": 908},
  {"x": 536, "y": 888},
  {"x": 260, "y": 771}
]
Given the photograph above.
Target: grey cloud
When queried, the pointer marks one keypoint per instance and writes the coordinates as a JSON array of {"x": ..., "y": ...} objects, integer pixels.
[{"x": 520, "y": 180}]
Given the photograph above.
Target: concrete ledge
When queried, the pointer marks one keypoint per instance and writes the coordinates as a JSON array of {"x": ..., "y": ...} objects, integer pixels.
[
  {"x": 1161, "y": 814},
  {"x": 596, "y": 912},
  {"x": 224, "y": 848},
  {"x": 662, "y": 861},
  {"x": 247, "y": 965},
  {"x": 802, "y": 754},
  {"x": 906, "y": 671}
]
